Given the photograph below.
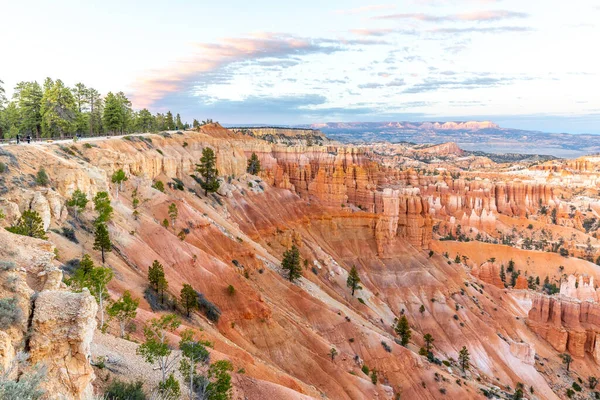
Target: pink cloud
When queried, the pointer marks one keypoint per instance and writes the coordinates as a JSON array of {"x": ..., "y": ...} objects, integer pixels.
[{"x": 210, "y": 58}]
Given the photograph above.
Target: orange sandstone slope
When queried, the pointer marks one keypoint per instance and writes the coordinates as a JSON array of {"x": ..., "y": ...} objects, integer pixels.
[{"x": 341, "y": 210}]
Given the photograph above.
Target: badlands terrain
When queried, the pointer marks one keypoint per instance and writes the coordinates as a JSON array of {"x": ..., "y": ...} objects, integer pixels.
[{"x": 497, "y": 258}]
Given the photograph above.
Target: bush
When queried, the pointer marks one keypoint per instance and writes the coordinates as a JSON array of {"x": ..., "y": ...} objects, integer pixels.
[
  {"x": 7, "y": 266},
  {"x": 159, "y": 185},
  {"x": 87, "y": 146},
  {"x": 365, "y": 369},
  {"x": 386, "y": 347},
  {"x": 41, "y": 178},
  {"x": 576, "y": 387},
  {"x": 360, "y": 300},
  {"x": 69, "y": 233},
  {"x": 119, "y": 390},
  {"x": 154, "y": 300},
  {"x": 3, "y": 168},
  {"x": 230, "y": 290},
  {"x": 27, "y": 388},
  {"x": 10, "y": 313},
  {"x": 211, "y": 311}
]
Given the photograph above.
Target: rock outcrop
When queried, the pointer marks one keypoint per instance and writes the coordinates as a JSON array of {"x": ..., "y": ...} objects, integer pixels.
[{"x": 567, "y": 324}]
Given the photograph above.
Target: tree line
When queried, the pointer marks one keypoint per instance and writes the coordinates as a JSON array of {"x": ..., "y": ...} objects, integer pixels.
[{"x": 55, "y": 110}]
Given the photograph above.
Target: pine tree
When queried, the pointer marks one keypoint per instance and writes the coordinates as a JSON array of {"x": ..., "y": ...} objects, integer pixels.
[
  {"x": 118, "y": 177},
  {"x": 58, "y": 109},
  {"x": 124, "y": 310},
  {"x": 253, "y": 165},
  {"x": 463, "y": 358},
  {"x": 195, "y": 124},
  {"x": 353, "y": 281},
  {"x": 188, "y": 298},
  {"x": 96, "y": 110},
  {"x": 291, "y": 263},
  {"x": 173, "y": 212},
  {"x": 29, "y": 224},
  {"x": 169, "y": 123},
  {"x": 207, "y": 169},
  {"x": 102, "y": 207},
  {"x": 163, "y": 285},
  {"x": 333, "y": 352},
  {"x": 428, "y": 339},
  {"x": 502, "y": 273},
  {"x": 156, "y": 272},
  {"x": 403, "y": 330},
  {"x": 28, "y": 97},
  {"x": 567, "y": 360},
  {"x": 178, "y": 123},
  {"x": 78, "y": 201},
  {"x": 102, "y": 240},
  {"x": 145, "y": 120},
  {"x": 113, "y": 114}
]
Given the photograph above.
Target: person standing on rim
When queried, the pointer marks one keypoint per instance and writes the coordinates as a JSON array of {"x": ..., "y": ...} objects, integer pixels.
[
  {"x": 18, "y": 138},
  {"x": 28, "y": 138}
]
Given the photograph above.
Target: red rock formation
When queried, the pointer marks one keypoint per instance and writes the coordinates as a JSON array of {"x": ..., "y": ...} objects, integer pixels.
[
  {"x": 567, "y": 324},
  {"x": 489, "y": 273}
]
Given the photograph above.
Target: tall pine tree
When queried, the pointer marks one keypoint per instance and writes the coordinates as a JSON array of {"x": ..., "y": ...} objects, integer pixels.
[
  {"x": 207, "y": 169},
  {"x": 291, "y": 263}
]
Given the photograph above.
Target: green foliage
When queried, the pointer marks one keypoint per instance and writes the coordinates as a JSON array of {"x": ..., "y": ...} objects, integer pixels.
[
  {"x": 211, "y": 311},
  {"x": 353, "y": 281},
  {"x": 188, "y": 298},
  {"x": 253, "y": 165},
  {"x": 156, "y": 272},
  {"x": 374, "y": 376},
  {"x": 566, "y": 359},
  {"x": 118, "y": 177},
  {"x": 28, "y": 385},
  {"x": 96, "y": 279},
  {"x": 464, "y": 358},
  {"x": 156, "y": 349},
  {"x": 428, "y": 339},
  {"x": 332, "y": 353},
  {"x": 102, "y": 241},
  {"x": 78, "y": 201},
  {"x": 207, "y": 169},
  {"x": 291, "y": 263},
  {"x": 173, "y": 212},
  {"x": 28, "y": 98},
  {"x": 576, "y": 387},
  {"x": 365, "y": 369},
  {"x": 29, "y": 224},
  {"x": 117, "y": 112},
  {"x": 402, "y": 329},
  {"x": 422, "y": 309},
  {"x": 219, "y": 387},
  {"x": 169, "y": 388},
  {"x": 103, "y": 207},
  {"x": 41, "y": 177},
  {"x": 119, "y": 390},
  {"x": 58, "y": 109},
  {"x": 124, "y": 310},
  {"x": 10, "y": 312}
]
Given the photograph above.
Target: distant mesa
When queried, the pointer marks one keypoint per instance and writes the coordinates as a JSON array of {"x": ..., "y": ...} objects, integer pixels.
[{"x": 420, "y": 126}]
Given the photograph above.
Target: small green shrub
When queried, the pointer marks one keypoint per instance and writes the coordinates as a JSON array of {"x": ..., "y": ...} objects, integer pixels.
[
  {"x": 41, "y": 178},
  {"x": 365, "y": 369},
  {"x": 360, "y": 300},
  {"x": 119, "y": 390},
  {"x": 87, "y": 146},
  {"x": 10, "y": 312},
  {"x": 3, "y": 168},
  {"x": 159, "y": 185},
  {"x": 230, "y": 290}
]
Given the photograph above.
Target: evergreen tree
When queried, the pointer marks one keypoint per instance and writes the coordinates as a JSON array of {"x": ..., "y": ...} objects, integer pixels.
[
  {"x": 156, "y": 348},
  {"x": 11, "y": 120},
  {"x": 113, "y": 114},
  {"x": 353, "y": 281},
  {"x": 502, "y": 273},
  {"x": 96, "y": 110},
  {"x": 567, "y": 360},
  {"x": 126, "y": 112},
  {"x": 173, "y": 213},
  {"x": 333, "y": 352},
  {"x": 188, "y": 298},
  {"x": 193, "y": 353},
  {"x": 291, "y": 263},
  {"x": 195, "y": 124},
  {"x": 464, "y": 358},
  {"x": 219, "y": 387},
  {"x": 428, "y": 339},
  {"x": 28, "y": 96},
  {"x": 118, "y": 177},
  {"x": 29, "y": 224},
  {"x": 253, "y": 165},
  {"x": 207, "y": 169},
  {"x": 58, "y": 109},
  {"x": 156, "y": 272},
  {"x": 124, "y": 310},
  {"x": 80, "y": 95},
  {"x": 95, "y": 279},
  {"x": 102, "y": 207},
  {"x": 145, "y": 121},
  {"x": 178, "y": 123},
  {"x": 102, "y": 240},
  {"x": 403, "y": 330},
  {"x": 78, "y": 201},
  {"x": 162, "y": 285},
  {"x": 169, "y": 123}
]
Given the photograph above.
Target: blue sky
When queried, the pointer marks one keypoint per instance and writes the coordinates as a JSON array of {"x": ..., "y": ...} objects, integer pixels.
[{"x": 526, "y": 64}]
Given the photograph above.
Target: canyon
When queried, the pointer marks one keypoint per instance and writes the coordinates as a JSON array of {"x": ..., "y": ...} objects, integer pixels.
[{"x": 436, "y": 235}]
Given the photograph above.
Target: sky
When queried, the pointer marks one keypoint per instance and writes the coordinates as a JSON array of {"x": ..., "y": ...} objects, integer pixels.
[{"x": 524, "y": 64}]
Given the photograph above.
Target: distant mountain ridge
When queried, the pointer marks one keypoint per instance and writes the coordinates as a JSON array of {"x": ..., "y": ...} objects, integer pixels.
[
  {"x": 426, "y": 125},
  {"x": 485, "y": 136}
]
